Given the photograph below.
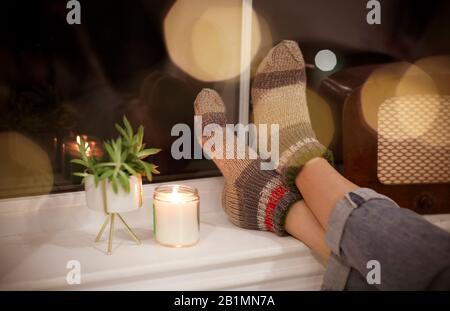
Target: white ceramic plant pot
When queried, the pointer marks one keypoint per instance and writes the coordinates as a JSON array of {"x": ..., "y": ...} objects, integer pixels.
[{"x": 102, "y": 198}]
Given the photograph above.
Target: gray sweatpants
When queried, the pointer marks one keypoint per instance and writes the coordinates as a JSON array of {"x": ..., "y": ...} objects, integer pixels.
[{"x": 378, "y": 246}]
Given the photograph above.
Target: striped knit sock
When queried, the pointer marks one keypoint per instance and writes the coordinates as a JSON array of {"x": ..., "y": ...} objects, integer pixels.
[
  {"x": 252, "y": 198},
  {"x": 278, "y": 97}
]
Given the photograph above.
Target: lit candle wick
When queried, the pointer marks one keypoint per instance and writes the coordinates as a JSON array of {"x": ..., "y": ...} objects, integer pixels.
[{"x": 175, "y": 197}]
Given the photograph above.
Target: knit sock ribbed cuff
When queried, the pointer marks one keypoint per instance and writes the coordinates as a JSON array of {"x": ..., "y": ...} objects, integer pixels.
[{"x": 299, "y": 160}]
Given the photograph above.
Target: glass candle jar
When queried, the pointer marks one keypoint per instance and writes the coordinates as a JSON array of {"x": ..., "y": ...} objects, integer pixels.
[{"x": 176, "y": 219}]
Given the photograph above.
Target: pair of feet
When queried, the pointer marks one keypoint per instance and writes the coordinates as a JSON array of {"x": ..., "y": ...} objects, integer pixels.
[{"x": 254, "y": 198}]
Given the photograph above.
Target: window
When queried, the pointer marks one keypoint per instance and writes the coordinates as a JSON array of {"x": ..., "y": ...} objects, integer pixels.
[
  {"x": 148, "y": 60},
  {"x": 60, "y": 81}
]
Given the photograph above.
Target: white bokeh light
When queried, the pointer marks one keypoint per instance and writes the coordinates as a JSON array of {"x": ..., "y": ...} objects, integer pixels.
[{"x": 325, "y": 60}]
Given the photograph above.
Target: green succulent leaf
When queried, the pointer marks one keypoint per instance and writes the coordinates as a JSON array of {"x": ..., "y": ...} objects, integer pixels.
[
  {"x": 149, "y": 169},
  {"x": 130, "y": 170},
  {"x": 124, "y": 181},
  {"x": 128, "y": 127},
  {"x": 105, "y": 164},
  {"x": 106, "y": 174},
  {"x": 80, "y": 174},
  {"x": 140, "y": 136},
  {"x": 114, "y": 184},
  {"x": 123, "y": 158},
  {"x": 121, "y": 131},
  {"x": 118, "y": 150},
  {"x": 96, "y": 179},
  {"x": 124, "y": 155},
  {"x": 109, "y": 149},
  {"x": 154, "y": 169},
  {"x": 147, "y": 152}
]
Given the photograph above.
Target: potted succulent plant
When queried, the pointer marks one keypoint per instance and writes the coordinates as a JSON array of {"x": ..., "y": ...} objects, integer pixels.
[{"x": 113, "y": 182}]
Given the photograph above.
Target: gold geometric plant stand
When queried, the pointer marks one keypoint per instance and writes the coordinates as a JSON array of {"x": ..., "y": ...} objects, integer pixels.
[{"x": 110, "y": 218}]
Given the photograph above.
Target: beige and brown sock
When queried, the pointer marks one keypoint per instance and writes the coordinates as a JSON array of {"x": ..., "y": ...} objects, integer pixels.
[
  {"x": 278, "y": 97},
  {"x": 252, "y": 198}
]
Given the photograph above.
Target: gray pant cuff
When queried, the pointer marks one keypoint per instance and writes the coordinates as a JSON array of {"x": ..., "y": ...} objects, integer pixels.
[
  {"x": 342, "y": 211},
  {"x": 336, "y": 274},
  {"x": 338, "y": 271}
]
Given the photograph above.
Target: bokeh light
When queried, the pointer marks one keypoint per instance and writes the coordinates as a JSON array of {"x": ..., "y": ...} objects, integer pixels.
[
  {"x": 393, "y": 80},
  {"x": 203, "y": 38},
  {"x": 25, "y": 167},
  {"x": 321, "y": 117},
  {"x": 438, "y": 67},
  {"x": 325, "y": 60}
]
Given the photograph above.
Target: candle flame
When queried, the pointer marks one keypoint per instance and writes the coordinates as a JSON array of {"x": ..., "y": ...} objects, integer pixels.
[
  {"x": 87, "y": 147},
  {"x": 175, "y": 197}
]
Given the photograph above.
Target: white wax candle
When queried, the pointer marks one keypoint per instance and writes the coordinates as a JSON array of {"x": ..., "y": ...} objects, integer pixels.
[{"x": 176, "y": 217}]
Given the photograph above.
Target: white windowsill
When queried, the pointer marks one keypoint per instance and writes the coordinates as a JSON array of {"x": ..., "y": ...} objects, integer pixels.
[{"x": 39, "y": 235}]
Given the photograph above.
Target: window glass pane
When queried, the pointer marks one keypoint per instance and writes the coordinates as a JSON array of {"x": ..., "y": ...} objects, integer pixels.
[
  {"x": 342, "y": 46},
  {"x": 60, "y": 81}
]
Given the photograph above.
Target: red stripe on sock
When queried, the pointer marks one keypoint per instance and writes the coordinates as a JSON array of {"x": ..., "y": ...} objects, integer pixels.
[{"x": 275, "y": 196}]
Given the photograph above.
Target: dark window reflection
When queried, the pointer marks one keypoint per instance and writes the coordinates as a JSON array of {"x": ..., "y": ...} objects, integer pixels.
[{"x": 59, "y": 81}]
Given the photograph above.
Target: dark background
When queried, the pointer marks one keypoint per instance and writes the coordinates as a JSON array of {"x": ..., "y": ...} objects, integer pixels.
[{"x": 58, "y": 80}]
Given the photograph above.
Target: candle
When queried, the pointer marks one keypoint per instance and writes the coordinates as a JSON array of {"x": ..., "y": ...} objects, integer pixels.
[
  {"x": 176, "y": 220},
  {"x": 91, "y": 145},
  {"x": 71, "y": 150}
]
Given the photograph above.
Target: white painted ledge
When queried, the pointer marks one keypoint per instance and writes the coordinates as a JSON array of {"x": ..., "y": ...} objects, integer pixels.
[{"x": 39, "y": 235}]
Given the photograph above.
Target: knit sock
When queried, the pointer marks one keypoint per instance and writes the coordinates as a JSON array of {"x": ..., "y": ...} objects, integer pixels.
[
  {"x": 278, "y": 97},
  {"x": 252, "y": 198}
]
